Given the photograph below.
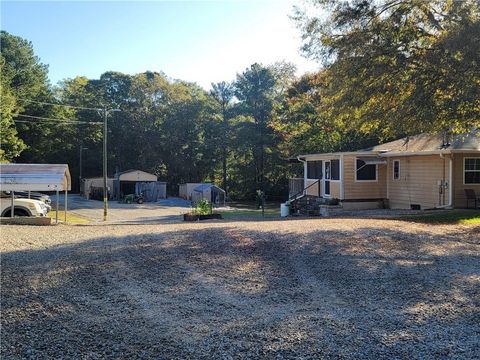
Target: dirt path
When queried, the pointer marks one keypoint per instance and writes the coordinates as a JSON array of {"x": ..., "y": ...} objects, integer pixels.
[{"x": 322, "y": 288}]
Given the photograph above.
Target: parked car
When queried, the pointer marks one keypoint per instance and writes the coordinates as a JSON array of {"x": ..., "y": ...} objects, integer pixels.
[
  {"x": 33, "y": 195},
  {"x": 23, "y": 207}
]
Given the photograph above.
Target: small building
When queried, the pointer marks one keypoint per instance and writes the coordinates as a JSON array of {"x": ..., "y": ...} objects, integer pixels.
[
  {"x": 92, "y": 188},
  {"x": 152, "y": 191},
  {"x": 420, "y": 172},
  {"x": 213, "y": 194},
  {"x": 136, "y": 182},
  {"x": 185, "y": 190}
]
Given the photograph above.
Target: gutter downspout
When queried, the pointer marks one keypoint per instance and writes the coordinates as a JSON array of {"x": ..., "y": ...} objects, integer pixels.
[
  {"x": 450, "y": 180},
  {"x": 342, "y": 183},
  {"x": 304, "y": 171}
]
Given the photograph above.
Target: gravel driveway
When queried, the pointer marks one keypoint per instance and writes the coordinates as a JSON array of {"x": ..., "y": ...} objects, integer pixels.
[{"x": 296, "y": 289}]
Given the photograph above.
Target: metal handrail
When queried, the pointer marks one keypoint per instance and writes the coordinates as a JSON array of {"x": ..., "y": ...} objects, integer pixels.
[{"x": 303, "y": 192}]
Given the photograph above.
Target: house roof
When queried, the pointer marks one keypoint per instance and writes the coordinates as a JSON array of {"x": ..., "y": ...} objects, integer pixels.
[
  {"x": 418, "y": 144},
  {"x": 429, "y": 142},
  {"x": 34, "y": 177}
]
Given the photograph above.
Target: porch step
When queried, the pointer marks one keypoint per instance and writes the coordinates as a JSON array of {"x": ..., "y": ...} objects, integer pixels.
[{"x": 308, "y": 205}]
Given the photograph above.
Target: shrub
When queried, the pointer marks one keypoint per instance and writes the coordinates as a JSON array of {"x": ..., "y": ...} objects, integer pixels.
[{"x": 203, "y": 207}]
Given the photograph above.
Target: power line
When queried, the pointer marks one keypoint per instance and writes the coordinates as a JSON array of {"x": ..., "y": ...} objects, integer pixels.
[
  {"x": 47, "y": 119},
  {"x": 64, "y": 105},
  {"x": 51, "y": 122}
]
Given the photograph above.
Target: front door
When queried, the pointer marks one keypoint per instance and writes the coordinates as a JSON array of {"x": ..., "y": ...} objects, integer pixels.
[{"x": 326, "y": 179}]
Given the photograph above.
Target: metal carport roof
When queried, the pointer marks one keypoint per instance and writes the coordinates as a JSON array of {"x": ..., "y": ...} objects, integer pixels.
[{"x": 35, "y": 177}]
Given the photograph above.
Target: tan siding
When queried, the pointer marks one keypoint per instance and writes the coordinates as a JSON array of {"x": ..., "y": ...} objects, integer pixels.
[
  {"x": 459, "y": 199},
  {"x": 335, "y": 189},
  {"x": 418, "y": 183},
  {"x": 314, "y": 189},
  {"x": 363, "y": 190}
]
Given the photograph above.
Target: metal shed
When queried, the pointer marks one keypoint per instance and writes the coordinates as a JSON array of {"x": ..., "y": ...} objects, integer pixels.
[
  {"x": 213, "y": 194},
  {"x": 92, "y": 188},
  {"x": 133, "y": 182},
  {"x": 36, "y": 177},
  {"x": 185, "y": 190}
]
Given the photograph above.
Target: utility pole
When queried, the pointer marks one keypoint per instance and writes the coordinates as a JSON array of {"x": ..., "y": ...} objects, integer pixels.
[
  {"x": 80, "y": 165},
  {"x": 105, "y": 191}
]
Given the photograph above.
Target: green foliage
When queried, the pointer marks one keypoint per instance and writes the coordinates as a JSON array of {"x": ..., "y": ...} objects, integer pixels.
[
  {"x": 23, "y": 78},
  {"x": 203, "y": 207},
  {"x": 397, "y": 67}
]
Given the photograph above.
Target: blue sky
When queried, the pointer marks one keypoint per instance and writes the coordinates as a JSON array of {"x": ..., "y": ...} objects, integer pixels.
[{"x": 200, "y": 41}]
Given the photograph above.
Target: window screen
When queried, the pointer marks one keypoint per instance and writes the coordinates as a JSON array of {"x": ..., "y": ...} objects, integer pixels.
[
  {"x": 314, "y": 169},
  {"x": 472, "y": 171},
  {"x": 366, "y": 172},
  {"x": 335, "y": 168},
  {"x": 396, "y": 169}
]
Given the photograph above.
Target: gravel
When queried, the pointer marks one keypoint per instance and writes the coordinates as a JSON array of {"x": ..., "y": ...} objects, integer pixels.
[{"x": 291, "y": 289}]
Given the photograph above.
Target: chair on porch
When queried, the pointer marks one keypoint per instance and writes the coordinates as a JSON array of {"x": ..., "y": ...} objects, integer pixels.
[{"x": 471, "y": 196}]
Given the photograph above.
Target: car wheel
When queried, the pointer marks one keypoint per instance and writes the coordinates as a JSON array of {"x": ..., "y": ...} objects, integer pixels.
[
  {"x": 140, "y": 201},
  {"x": 17, "y": 212}
]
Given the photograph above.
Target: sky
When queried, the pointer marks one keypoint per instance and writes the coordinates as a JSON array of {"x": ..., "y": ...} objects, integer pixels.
[{"x": 197, "y": 41}]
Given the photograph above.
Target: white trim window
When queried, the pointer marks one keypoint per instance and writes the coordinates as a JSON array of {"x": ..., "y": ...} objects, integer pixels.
[
  {"x": 471, "y": 171},
  {"x": 396, "y": 169},
  {"x": 365, "y": 172}
]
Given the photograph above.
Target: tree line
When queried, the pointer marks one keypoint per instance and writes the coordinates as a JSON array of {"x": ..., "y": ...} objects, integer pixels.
[{"x": 388, "y": 69}]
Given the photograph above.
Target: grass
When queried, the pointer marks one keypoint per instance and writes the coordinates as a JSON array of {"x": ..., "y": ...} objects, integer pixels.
[
  {"x": 464, "y": 217},
  {"x": 249, "y": 210},
  {"x": 235, "y": 214},
  {"x": 71, "y": 218}
]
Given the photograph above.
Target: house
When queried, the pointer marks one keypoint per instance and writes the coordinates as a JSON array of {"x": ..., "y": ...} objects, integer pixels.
[{"x": 420, "y": 172}]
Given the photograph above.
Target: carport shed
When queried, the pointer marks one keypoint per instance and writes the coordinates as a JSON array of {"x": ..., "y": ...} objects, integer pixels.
[{"x": 36, "y": 177}]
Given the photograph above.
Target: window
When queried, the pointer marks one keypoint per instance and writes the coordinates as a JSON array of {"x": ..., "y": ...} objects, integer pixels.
[
  {"x": 396, "y": 169},
  {"x": 314, "y": 169},
  {"x": 335, "y": 169},
  {"x": 472, "y": 170},
  {"x": 366, "y": 172}
]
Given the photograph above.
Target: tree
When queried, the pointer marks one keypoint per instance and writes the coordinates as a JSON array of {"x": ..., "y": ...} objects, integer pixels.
[
  {"x": 397, "y": 66},
  {"x": 223, "y": 93},
  {"x": 304, "y": 128},
  {"x": 23, "y": 78},
  {"x": 254, "y": 89}
]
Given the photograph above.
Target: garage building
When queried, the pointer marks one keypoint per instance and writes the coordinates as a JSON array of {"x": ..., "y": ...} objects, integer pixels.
[{"x": 136, "y": 182}]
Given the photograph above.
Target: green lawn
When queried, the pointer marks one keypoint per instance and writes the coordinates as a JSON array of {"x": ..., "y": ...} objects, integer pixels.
[
  {"x": 249, "y": 210},
  {"x": 464, "y": 217}
]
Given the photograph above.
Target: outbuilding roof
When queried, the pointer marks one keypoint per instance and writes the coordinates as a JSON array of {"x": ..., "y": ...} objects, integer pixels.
[
  {"x": 35, "y": 177},
  {"x": 135, "y": 175},
  {"x": 203, "y": 187}
]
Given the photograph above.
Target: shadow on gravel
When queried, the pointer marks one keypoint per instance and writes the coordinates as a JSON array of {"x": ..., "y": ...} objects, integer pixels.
[{"x": 225, "y": 291}]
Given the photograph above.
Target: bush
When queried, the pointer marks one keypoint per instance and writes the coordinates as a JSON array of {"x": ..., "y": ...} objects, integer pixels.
[{"x": 203, "y": 207}]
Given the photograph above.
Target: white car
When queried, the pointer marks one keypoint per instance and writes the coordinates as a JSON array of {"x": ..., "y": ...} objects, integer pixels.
[{"x": 23, "y": 207}]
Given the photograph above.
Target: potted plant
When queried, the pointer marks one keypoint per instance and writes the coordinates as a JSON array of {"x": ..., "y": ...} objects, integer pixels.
[{"x": 202, "y": 211}]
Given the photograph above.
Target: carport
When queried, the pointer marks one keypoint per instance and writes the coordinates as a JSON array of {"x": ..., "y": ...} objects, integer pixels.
[{"x": 36, "y": 177}]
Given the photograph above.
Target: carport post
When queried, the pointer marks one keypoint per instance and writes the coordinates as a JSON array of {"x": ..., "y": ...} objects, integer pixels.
[
  {"x": 66, "y": 195},
  {"x": 56, "y": 211},
  {"x": 12, "y": 207}
]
